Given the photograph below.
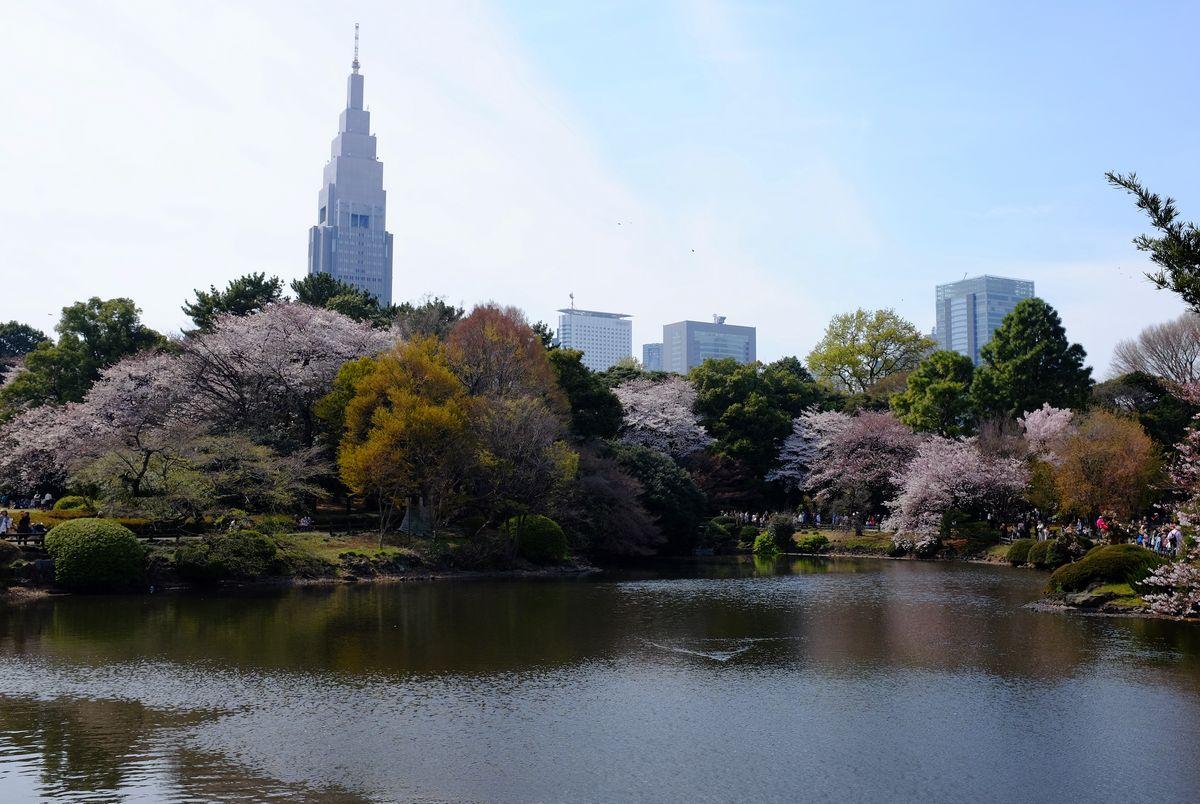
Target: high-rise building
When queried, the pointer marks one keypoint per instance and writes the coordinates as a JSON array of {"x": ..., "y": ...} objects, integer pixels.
[
  {"x": 604, "y": 338},
  {"x": 350, "y": 241},
  {"x": 687, "y": 344},
  {"x": 652, "y": 356},
  {"x": 969, "y": 311}
]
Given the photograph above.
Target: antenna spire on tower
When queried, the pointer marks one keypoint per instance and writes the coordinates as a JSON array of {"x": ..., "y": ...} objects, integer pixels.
[{"x": 354, "y": 63}]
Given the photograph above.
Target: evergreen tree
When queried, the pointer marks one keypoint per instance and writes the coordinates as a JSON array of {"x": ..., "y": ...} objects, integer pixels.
[
  {"x": 595, "y": 409},
  {"x": 1176, "y": 251},
  {"x": 242, "y": 296},
  {"x": 937, "y": 397},
  {"x": 1029, "y": 362}
]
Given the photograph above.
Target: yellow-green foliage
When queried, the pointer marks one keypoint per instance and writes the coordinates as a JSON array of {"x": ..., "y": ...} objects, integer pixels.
[{"x": 95, "y": 555}]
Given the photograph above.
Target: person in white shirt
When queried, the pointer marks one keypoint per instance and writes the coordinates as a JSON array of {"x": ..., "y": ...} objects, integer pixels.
[{"x": 6, "y": 523}]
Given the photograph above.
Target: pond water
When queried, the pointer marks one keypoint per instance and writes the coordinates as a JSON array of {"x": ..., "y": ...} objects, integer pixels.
[{"x": 700, "y": 680}]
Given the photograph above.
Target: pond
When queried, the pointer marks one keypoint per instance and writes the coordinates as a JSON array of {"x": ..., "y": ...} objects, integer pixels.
[{"x": 698, "y": 680}]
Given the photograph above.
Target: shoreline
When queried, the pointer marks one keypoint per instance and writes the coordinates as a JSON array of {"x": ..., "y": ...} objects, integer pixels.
[{"x": 21, "y": 593}]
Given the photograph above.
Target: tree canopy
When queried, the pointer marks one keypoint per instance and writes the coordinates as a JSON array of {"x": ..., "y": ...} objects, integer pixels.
[
  {"x": 937, "y": 396},
  {"x": 1176, "y": 249},
  {"x": 1029, "y": 362},
  {"x": 91, "y": 336},
  {"x": 861, "y": 348},
  {"x": 595, "y": 410},
  {"x": 748, "y": 408},
  {"x": 242, "y": 296}
]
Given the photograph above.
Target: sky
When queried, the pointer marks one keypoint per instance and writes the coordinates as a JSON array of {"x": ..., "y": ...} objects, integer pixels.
[{"x": 773, "y": 162}]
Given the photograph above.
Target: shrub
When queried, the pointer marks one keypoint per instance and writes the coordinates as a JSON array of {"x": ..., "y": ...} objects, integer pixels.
[
  {"x": 1112, "y": 563},
  {"x": 812, "y": 544},
  {"x": 73, "y": 502},
  {"x": 95, "y": 555},
  {"x": 226, "y": 556},
  {"x": 781, "y": 529},
  {"x": 765, "y": 544},
  {"x": 1057, "y": 553},
  {"x": 1018, "y": 551},
  {"x": 539, "y": 538},
  {"x": 294, "y": 561},
  {"x": 728, "y": 522},
  {"x": 1037, "y": 554},
  {"x": 716, "y": 535},
  {"x": 747, "y": 534}
]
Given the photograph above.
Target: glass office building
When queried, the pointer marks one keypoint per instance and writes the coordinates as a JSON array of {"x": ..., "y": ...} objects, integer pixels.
[
  {"x": 969, "y": 311},
  {"x": 687, "y": 344}
]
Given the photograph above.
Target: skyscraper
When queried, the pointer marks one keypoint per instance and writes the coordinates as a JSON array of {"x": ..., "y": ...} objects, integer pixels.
[
  {"x": 969, "y": 311},
  {"x": 652, "y": 356},
  {"x": 604, "y": 338},
  {"x": 350, "y": 241},
  {"x": 687, "y": 344}
]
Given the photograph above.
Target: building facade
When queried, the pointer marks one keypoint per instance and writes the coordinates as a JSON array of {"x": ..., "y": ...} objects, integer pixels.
[
  {"x": 350, "y": 240},
  {"x": 687, "y": 344},
  {"x": 652, "y": 356},
  {"x": 969, "y": 311},
  {"x": 604, "y": 338}
]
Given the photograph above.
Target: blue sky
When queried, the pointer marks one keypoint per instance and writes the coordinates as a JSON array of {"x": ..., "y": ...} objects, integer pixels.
[{"x": 773, "y": 162}]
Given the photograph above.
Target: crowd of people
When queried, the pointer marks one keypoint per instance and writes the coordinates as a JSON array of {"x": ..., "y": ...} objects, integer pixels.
[
  {"x": 21, "y": 530},
  {"x": 38, "y": 501}
]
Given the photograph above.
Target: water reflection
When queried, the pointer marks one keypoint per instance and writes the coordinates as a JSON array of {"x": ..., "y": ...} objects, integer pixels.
[{"x": 538, "y": 690}]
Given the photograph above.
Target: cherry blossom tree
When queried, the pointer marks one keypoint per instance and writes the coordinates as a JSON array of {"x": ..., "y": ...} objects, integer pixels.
[
  {"x": 810, "y": 437},
  {"x": 661, "y": 415},
  {"x": 263, "y": 373},
  {"x": 1180, "y": 585},
  {"x": 36, "y": 446},
  {"x": 948, "y": 474},
  {"x": 1045, "y": 429},
  {"x": 858, "y": 462}
]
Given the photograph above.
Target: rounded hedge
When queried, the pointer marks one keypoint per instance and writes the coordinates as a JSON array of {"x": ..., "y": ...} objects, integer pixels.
[
  {"x": 237, "y": 555},
  {"x": 1018, "y": 552},
  {"x": 72, "y": 502},
  {"x": 811, "y": 544},
  {"x": 1112, "y": 563},
  {"x": 1037, "y": 554},
  {"x": 95, "y": 555},
  {"x": 539, "y": 538},
  {"x": 765, "y": 544}
]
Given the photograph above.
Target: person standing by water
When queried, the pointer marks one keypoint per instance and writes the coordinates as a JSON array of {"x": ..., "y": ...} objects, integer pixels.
[
  {"x": 23, "y": 529},
  {"x": 6, "y": 523}
]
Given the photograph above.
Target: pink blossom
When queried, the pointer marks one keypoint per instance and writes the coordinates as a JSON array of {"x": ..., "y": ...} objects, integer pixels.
[{"x": 661, "y": 415}]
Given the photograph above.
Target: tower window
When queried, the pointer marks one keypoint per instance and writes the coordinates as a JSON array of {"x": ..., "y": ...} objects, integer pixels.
[
  {"x": 321, "y": 215},
  {"x": 360, "y": 221}
]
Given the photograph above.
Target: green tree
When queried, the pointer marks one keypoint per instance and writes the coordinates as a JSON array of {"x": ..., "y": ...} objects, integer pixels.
[
  {"x": 1176, "y": 251},
  {"x": 1152, "y": 401},
  {"x": 242, "y": 296},
  {"x": 432, "y": 316},
  {"x": 861, "y": 348},
  {"x": 16, "y": 341},
  {"x": 748, "y": 408},
  {"x": 1029, "y": 362},
  {"x": 92, "y": 335},
  {"x": 668, "y": 493},
  {"x": 323, "y": 290},
  {"x": 937, "y": 398},
  {"x": 595, "y": 410}
]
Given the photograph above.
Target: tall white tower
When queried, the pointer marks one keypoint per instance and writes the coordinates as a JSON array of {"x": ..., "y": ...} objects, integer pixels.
[{"x": 350, "y": 241}]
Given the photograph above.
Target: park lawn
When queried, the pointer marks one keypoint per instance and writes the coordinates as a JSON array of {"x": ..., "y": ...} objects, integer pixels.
[
  {"x": 331, "y": 546},
  {"x": 1124, "y": 596},
  {"x": 998, "y": 551},
  {"x": 870, "y": 542}
]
